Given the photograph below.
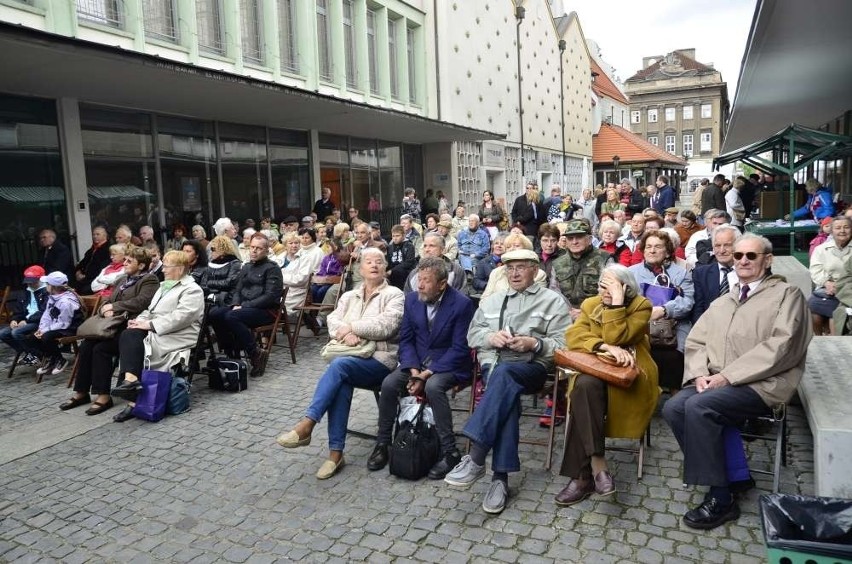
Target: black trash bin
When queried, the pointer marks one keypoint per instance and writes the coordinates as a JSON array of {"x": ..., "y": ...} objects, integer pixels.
[{"x": 806, "y": 530}]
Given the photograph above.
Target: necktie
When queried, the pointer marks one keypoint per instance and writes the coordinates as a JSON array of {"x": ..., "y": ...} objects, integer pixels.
[
  {"x": 724, "y": 286},
  {"x": 535, "y": 210},
  {"x": 744, "y": 293}
]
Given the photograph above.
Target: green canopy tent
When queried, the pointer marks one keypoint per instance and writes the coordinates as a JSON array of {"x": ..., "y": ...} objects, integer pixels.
[{"x": 794, "y": 148}]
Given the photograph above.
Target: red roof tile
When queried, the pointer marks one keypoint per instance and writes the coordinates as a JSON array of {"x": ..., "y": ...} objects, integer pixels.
[
  {"x": 613, "y": 140},
  {"x": 603, "y": 86}
]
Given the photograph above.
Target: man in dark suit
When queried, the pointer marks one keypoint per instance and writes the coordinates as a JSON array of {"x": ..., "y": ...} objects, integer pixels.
[
  {"x": 718, "y": 276},
  {"x": 433, "y": 358},
  {"x": 56, "y": 256}
]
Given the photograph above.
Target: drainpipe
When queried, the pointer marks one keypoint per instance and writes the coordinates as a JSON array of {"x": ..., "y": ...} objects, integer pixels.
[{"x": 520, "y": 12}]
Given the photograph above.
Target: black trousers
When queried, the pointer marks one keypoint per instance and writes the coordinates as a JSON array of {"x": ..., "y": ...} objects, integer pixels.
[
  {"x": 131, "y": 351},
  {"x": 670, "y": 365},
  {"x": 698, "y": 421},
  {"x": 586, "y": 436},
  {"x": 48, "y": 345},
  {"x": 95, "y": 365},
  {"x": 436, "y": 390}
]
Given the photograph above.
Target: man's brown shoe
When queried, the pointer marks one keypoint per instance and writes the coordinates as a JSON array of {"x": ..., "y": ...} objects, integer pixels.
[
  {"x": 576, "y": 491},
  {"x": 604, "y": 484}
]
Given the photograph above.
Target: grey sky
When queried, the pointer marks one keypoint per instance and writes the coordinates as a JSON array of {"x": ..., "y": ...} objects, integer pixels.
[{"x": 627, "y": 30}]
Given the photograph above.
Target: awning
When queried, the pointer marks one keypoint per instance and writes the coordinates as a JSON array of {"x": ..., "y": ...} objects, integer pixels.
[
  {"x": 800, "y": 145},
  {"x": 32, "y": 194},
  {"x": 796, "y": 68},
  {"x": 118, "y": 193}
]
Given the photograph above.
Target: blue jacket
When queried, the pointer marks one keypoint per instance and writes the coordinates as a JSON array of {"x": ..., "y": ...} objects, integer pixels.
[
  {"x": 665, "y": 199},
  {"x": 705, "y": 279},
  {"x": 477, "y": 243},
  {"x": 444, "y": 348},
  {"x": 819, "y": 204}
]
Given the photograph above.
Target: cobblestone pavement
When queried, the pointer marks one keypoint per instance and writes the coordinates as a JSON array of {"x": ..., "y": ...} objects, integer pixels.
[{"x": 212, "y": 485}]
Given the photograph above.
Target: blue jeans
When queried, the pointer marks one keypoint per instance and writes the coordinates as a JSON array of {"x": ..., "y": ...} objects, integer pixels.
[
  {"x": 496, "y": 421},
  {"x": 233, "y": 327},
  {"x": 333, "y": 394},
  {"x": 15, "y": 337}
]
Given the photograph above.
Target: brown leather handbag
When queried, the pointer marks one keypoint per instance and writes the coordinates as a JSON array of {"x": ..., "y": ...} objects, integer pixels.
[{"x": 600, "y": 365}]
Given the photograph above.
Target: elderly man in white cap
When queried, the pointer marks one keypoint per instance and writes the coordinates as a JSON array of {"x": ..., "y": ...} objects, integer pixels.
[{"x": 515, "y": 333}]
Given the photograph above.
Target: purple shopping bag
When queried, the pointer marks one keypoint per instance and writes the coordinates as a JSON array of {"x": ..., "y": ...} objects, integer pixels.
[
  {"x": 660, "y": 292},
  {"x": 152, "y": 400}
]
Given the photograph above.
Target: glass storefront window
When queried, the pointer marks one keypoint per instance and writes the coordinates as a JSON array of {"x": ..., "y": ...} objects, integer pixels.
[
  {"x": 390, "y": 167},
  {"x": 245, "y": 177},
  {"x": 32, "y": 193},
  {"x": 334, "y": 167},
  {"x": 118, "y": 149},
  {"x": 365, "y": 173},
  {"x": 289, "y": 163},
  {"x": 188, "y": 167}
]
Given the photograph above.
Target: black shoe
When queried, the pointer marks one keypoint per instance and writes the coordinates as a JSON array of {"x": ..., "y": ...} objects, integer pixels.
[
  {"x": 124, "y": 415},
  {"x": 258, "y": 363},
  {"x": 711, "y": 514},
  {"x": 741, "y": 486},
  {"x": 443, "y": 466},
  {"x": 127, "y": 390},
  {"x": 379, "y": 458}
]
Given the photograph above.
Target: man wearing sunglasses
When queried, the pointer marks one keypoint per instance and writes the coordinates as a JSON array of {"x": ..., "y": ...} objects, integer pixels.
[{"x": 744, "y": 356}]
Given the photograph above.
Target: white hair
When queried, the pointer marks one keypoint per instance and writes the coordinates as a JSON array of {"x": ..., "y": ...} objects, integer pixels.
[{"x": 221, "y": 224}]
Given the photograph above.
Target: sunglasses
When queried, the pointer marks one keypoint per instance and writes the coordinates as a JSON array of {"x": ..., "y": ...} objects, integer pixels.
[{"x": 749, "y": 255}]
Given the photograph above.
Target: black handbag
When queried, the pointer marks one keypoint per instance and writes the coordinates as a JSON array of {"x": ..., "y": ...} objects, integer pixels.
[{"x": 415, "y": 448}]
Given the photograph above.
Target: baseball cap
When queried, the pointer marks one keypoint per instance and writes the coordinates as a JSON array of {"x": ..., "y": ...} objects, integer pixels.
[
  {"x": 375, "y": 225},
  {"x": 55, "y": 279},
  {"x": 672, "y": 210},
  {"x": 578, "y": 227},
  {"x": 33, "y": 274},
  {"x": 308, "y": 219},
  {"x": 519, "y": 254},
  {"x": 446, "y": 223},
  {"x": 826, "y": 221}
]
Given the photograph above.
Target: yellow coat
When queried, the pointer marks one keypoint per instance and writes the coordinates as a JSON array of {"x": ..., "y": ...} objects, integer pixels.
[{"x": 628, "y": 411}]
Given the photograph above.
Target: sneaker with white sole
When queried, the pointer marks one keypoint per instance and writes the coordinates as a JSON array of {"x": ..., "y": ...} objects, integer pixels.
[
  {"x": 496, "y": 497},
  {"x": 465, "y": 473},
  {"x": 46, "y": 367},
  {"x": 60, "y": 365},
  {"x": 29, "y": 359}
]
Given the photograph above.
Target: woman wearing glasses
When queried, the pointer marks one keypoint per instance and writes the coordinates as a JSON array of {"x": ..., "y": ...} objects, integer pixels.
[
  {"x": 659, "y": 268},
  {"x": 615, "y": 321},
  {"x": 162, "y": 335}
]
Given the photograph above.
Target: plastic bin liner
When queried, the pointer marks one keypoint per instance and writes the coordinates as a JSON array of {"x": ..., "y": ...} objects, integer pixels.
[{"x": 814, "y": 525}]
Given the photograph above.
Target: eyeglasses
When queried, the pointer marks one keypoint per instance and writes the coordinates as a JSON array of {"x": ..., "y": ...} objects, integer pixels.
[
  {"x": 749, "y": 255},
  {"x": 513, "y": 268}
]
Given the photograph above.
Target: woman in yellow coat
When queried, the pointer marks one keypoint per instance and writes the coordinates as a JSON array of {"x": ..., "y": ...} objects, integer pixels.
[{"x": 614, "y": 321}]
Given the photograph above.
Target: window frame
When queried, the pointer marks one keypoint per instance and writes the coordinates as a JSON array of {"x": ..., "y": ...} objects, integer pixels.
[
  {"x": 653, "y": 115},
  {"x": 636, "y": 116}
]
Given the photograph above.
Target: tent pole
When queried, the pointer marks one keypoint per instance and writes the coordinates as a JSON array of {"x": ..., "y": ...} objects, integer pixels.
[{"x": 791, "y": 159}]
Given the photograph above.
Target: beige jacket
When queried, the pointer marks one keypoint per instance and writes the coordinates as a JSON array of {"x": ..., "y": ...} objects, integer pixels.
[
  {"x": 376, "y": 317},
  {"x": 176, "y": 319},
  {"x": 829, "y": 262},
  {"x": 761, "y": 342}
]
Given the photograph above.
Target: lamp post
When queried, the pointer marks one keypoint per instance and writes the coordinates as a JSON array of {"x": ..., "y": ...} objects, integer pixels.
[
  {"x": 562, "y": 46},
  {"x": 615, "y": 161},
  {"x": 520, "y": 12}
]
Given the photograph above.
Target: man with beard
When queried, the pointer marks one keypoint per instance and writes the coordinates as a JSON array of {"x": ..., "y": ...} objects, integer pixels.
[{"x": 433, "y": 359}]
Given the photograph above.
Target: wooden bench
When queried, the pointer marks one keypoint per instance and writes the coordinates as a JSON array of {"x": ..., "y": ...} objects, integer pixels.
[{"x": 824, "y": 391}]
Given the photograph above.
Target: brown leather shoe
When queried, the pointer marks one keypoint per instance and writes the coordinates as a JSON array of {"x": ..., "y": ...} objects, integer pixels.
[
  {"x": 604, "y": 484},
  {"x": 576, "y": 491}
]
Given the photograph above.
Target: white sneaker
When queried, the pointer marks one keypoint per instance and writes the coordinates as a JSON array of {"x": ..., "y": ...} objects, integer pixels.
[
  {"x": 46, "y": 367},
  {"x": 61, "y": 364},
  {"x": 465, "y": 473}
]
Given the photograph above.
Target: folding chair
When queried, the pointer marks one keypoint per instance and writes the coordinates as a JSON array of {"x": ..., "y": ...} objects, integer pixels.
[
  {"x": 91, "y": 303},
  {"x": 309, "y": 310},
  {"x": 266, "y": 334},
  {"x": 5, "y": 312},
  {"x": 641, "y": 443},
  {"x": 779, "y": 420}
]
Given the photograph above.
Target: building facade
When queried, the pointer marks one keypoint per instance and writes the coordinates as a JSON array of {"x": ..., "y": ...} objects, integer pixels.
[
  {"x": 168, "y": 112},
  {"x": 681, "y": 106}
]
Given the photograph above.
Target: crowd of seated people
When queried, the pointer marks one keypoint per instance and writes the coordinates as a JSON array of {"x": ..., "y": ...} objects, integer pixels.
[{"x": 561, "y": 284}]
